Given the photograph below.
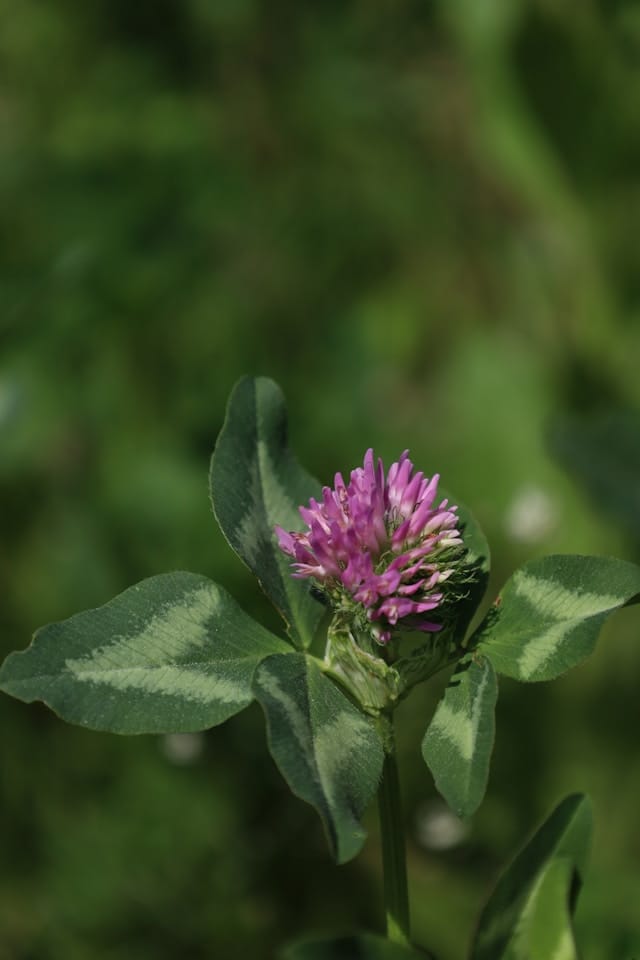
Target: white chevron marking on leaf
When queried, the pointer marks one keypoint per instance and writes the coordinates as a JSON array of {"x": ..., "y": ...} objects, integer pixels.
[
  {"x": 297, "y": 719},
  {"x": 540, "y": 649},
  {"x": 277, "y": 500},
  {"x": 568, "y": 608},
  {"x": 559, "y": 603},
  {"x": 169, "y": 636},
  {"x": 173, "y": 680},
  {"x": 266, "y": 496},
  {"x": 325, "y": 763},
  {"x": 348, "y": 730},
  {"x": 461, "y": 729},
  {"x": 248, "y": 531}
]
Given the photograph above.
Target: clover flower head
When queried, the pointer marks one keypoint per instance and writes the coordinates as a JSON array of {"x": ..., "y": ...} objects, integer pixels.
[{"x": 380, "y": 547}]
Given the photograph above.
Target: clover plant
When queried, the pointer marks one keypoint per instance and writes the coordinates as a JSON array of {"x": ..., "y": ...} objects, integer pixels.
[{"x": 377, "y": 580}]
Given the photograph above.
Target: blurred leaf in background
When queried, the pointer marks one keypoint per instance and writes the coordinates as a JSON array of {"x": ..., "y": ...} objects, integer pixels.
[
  {"x": 421, "y": 220},
  {"x": 602, "y": 453}
]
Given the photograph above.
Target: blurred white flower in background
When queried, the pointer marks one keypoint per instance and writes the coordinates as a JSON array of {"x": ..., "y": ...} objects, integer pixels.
[
  {"x": 531, "y": 516},
  {"x": 183, "y": 748},
  {"x": 437, "y": 828}
]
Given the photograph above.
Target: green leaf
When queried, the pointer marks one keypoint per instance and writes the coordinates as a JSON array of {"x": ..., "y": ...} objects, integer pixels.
[
  {"x": 329, "y": 753},
  {"x": 458, "y": 743},
  {"x": 255, "y": 483},
  {"x": 173, "y": 653},
  {"x": 528, "y": 916},
  {"x": 548, "y": 931},
  {"x": 549, "y": 614},
  {"x": 356, "y": 947}
]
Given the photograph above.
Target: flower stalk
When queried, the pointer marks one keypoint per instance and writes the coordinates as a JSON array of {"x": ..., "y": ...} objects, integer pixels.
[
  {"x": 387, "y": 557},
  {"x": 394, "y": 866}
]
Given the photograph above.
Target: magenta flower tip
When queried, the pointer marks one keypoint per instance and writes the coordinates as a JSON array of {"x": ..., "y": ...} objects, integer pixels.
[{"x": 380, "y": 545}]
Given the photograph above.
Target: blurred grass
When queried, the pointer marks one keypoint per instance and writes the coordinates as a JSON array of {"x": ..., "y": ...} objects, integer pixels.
[{"x": 421, "y": 219}]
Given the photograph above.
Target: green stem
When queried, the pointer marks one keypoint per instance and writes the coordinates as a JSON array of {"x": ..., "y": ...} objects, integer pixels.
[{"x": 396, "y": 895}]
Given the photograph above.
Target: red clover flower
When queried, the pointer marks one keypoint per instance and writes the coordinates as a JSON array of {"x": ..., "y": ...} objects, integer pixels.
[{"x": 379, "y": 549}]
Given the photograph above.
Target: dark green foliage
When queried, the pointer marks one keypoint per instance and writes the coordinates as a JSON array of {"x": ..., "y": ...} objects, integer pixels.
[
  {"x": 458, "y": 743},
  {"x": 528, "y": 916},
  {"x": 422, "y": 223},
  {"x": 173, "y": 653},
  {"x": 602, "y": 453},
  {"x": 255, "y": 483},
  {"x": 550, "y": 612},
  {"x": 328, "y": 751},
  {"x": 365, "y": 947}
]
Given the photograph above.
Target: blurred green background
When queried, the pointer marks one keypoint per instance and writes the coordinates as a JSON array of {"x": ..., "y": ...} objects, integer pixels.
[{"x": 421, "y": 219}]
